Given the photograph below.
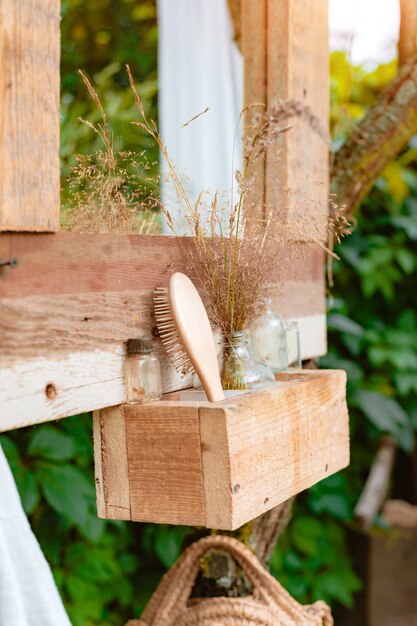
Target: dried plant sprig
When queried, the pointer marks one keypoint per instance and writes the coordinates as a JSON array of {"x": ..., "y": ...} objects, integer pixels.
[
  {"x": 236, "y": 242},
  {"x": 107, "y": 192},
  {"x": 233, "y": 250}
]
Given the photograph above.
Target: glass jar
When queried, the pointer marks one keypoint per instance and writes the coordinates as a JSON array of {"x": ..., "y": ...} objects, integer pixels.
[
  {"x": 293, "y": 346},
  {"x": 142, "y": 372},
  {"x": 269, "y": 339},
  {"x": 240, "y": 369}
]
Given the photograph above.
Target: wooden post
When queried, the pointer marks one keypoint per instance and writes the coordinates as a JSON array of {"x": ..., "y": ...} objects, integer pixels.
[
  {"x": 254, "y": 24},
  {"x": 29, "y": 115},
  {"x": 285, "y": 49},
  {"x": 297, "y": 170}
]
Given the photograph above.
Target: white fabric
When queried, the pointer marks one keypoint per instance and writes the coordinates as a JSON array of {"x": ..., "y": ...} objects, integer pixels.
[
  {"x": 199, "y": 66},
  {"x": 28, "y": 595}
]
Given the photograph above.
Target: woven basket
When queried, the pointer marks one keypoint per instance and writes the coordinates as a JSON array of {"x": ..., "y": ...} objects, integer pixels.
[{"x": 269, "y": 605}]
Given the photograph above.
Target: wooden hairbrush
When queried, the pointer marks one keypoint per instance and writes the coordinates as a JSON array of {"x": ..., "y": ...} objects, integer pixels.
[{"x": 186, "y": 334}]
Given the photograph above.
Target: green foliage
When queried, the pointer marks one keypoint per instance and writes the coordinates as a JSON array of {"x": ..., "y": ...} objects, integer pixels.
[{"x": 312, "y": 561}]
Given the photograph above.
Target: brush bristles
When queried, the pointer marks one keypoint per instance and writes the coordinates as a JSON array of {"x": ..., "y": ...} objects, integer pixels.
[{"x": 168, "y": 332}]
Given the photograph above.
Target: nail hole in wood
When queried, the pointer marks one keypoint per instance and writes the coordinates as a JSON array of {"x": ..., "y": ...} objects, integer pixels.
[
  {"x": 327, "y": 467},
  {"x": 51, "y": 391}
]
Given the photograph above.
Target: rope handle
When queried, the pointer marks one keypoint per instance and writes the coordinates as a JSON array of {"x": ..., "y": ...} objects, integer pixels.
[{"x": 177, "y": 584}]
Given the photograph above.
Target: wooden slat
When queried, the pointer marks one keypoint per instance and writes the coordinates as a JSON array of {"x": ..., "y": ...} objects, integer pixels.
[
  {"x": 221, "y": 465},
  {"x": 216, "y": 463},
  {"x": 77, "y": 263},
  {"x": 164, "y": 459},
  {"x": 283, "y": 442},
  {"x": 111, "y": 464},
  {"x": 74, "y": 299},
  {"x": 297, "y": 171},
  {"x": 29, "y": 115},
  {"x": 253, "y": 27}
]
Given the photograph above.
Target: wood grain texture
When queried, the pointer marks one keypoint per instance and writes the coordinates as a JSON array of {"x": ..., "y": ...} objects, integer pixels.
[
  {"x": 253, "y": 29},
  {"x": 74, "y": 299},
  {"x": 297, "y": 170},
  {"x": 76, "y": 263},
  {"x": 216, "y": 462},
  {"x": 285, "y": 441},
  {"x": 29, "y": 115},
  {"x": 111, "y": 464},
  {"x": 164, "y": 459},
  {"x": 221, "y": 465}
]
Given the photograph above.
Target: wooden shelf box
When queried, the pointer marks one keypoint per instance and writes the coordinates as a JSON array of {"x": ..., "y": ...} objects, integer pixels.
[{"x": 221, "y": 465}]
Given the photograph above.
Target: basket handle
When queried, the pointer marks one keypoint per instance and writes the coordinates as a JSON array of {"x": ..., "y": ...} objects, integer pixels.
[{"x": 176, "y": 586}]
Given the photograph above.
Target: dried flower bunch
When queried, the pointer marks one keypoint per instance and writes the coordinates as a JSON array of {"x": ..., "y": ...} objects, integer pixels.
[
  {"x": 238, "y": 239},
  {"x": 106, "y": 189}
]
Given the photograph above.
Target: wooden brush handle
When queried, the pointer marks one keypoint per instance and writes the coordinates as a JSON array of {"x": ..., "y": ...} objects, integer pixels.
[{"x": 195, "y": 333}]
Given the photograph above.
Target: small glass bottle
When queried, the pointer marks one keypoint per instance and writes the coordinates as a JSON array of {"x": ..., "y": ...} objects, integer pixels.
[
  {"x": 293, "y": 346},
  {"x": 142, "y": 372},
  {"x": 269, "y": 339},
  {"x": 240, "y": 369}
]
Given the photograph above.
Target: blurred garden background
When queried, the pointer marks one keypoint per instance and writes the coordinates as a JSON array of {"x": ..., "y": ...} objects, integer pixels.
[{"x": 106, "y": 570}]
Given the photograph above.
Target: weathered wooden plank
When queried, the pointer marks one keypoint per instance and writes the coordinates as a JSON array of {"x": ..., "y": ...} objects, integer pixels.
[
  {"x": 253, "y": 35},
  {"x": 216, "y": 461},
  {"x": 29, "y": 115},
  {"x": 221, "y": 465},
  {"x": 76, "y": 263},
  {"x": 284, "y": 442},
  {"x": 164, "y": 460},
  {"x": 73, "y": 300},
  {"x": 297, "y": 170},
  {"x": 111, "y": 464}
]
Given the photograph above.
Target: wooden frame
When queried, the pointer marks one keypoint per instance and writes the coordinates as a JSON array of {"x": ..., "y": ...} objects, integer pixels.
[{"x": 67, "y": 308}]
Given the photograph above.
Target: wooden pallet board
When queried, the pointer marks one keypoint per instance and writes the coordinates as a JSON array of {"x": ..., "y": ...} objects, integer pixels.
[
  {"x": 74, "y": 299},
  {"x": 220, "y": 465},
  {"x": 29, "y": 115}
]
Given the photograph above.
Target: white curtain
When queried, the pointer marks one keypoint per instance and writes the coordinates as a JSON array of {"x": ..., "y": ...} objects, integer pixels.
[{"x": 199, "y": 66}]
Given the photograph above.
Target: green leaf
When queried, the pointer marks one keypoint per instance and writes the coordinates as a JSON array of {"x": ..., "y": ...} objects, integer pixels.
[
  {"x": 406, "y": 382},
  {"x": 28, "y": 490},
  {"x": 409, "y": 224},
  {"x": 385, "y": 413},
  {"x": 168, "y": 545},
  {"x": 337, "y": 585},
  {"x": 93, "y": 527},
  {"x": 307, "y": 533},
  {"x": 50, "y": 443},
  {"x": 11, "y": 451},
  {"x": 406, "y": 260},
  {"x": 67, "y": 491},
  {"x": 335, "y": 504}
]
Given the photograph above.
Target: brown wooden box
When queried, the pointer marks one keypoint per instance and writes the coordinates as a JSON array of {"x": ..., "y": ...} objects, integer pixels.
[{"x": 221, "y": 465}]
